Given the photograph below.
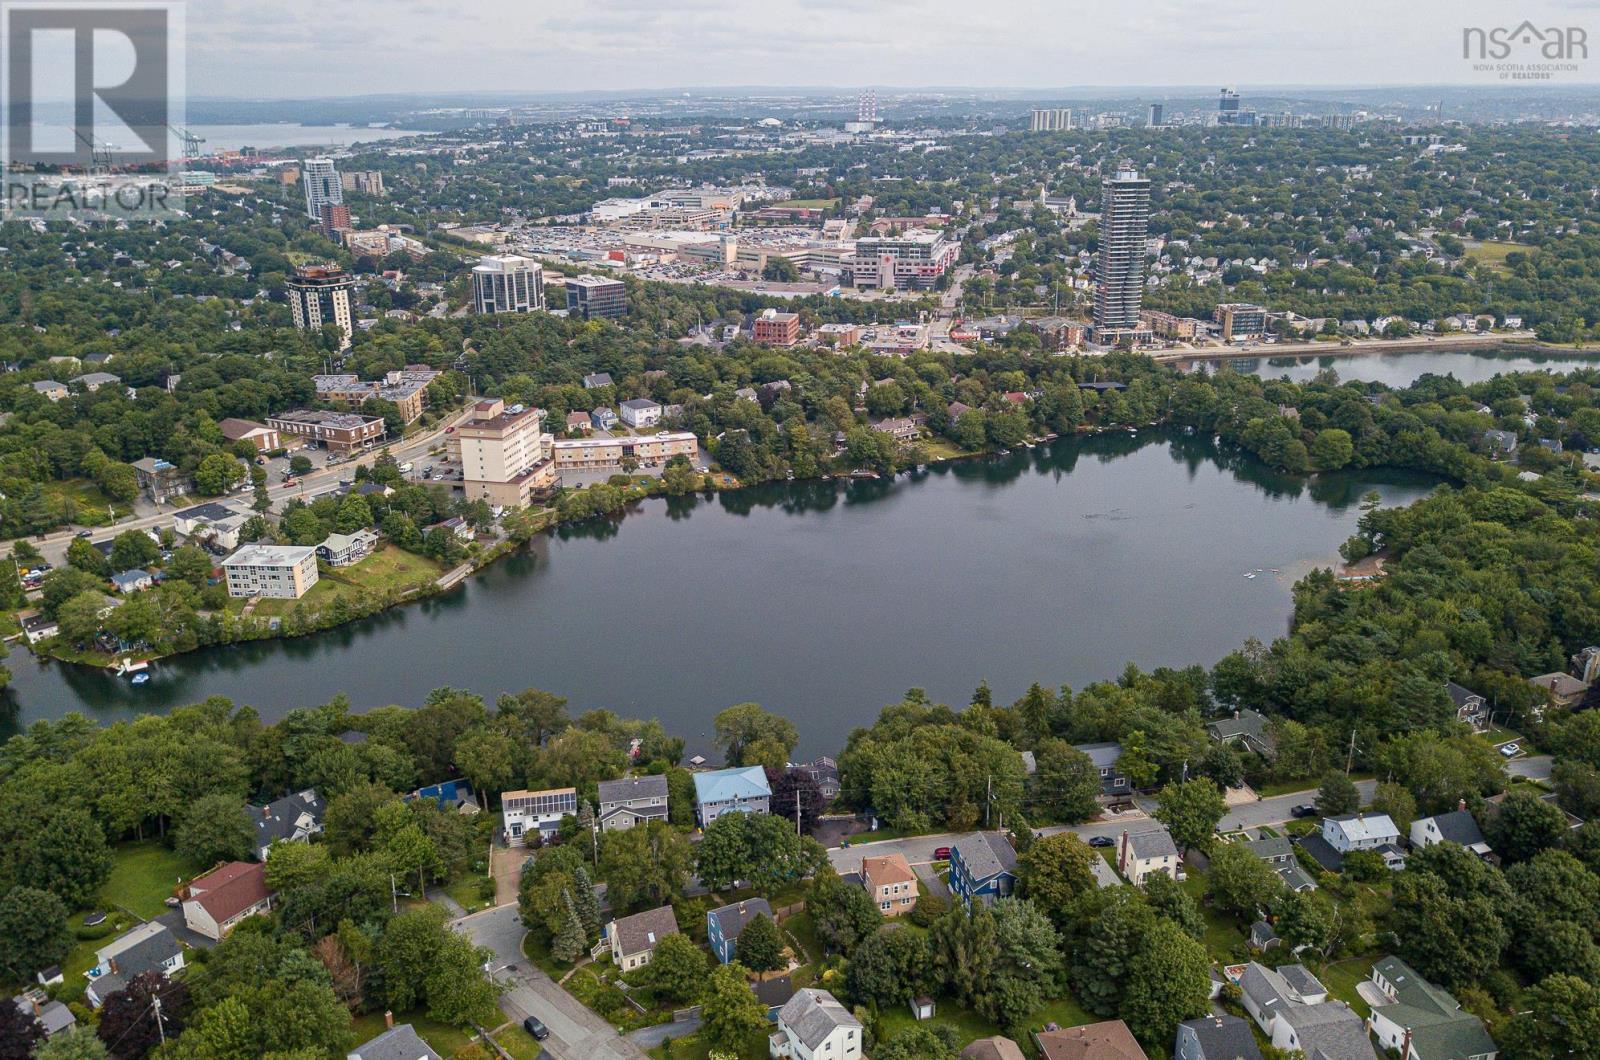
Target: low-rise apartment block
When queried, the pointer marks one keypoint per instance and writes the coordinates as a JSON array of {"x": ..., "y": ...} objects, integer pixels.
[
  {"x": 264, "y": 438},
  {"x": 342, "y": 432},
  {"x": 772, "y": 328},
  {"x": 573, "y": 454},
  {"x": 281, "y": 572},
  {"x": 407, "y": 389}
]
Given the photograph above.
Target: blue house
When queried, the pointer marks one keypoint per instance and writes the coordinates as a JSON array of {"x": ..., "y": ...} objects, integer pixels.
[
  {"x": 742, "y": 790},
  {"x": 724, "y": 925},
  {"x": 603, "y": 418},
  {"x": 983, "y": 867},
  {"x": 452, "y": 795}
]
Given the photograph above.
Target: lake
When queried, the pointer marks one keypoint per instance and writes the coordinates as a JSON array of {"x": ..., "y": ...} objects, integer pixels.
[
  {"x": 1400, "y": 370},
  {"x": 825, "y": 601},
  {"x": 268, "y": 135}
]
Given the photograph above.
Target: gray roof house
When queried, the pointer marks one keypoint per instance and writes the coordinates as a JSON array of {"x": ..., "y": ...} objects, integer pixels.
[
  {"x": 632, "y": 800},
  {"x": 814, "y": 1024},
  {"x": 291, "y": 819},
  {"x": 1424, "y": 1017},
  {"x": 1215, "y": 1037},
  {"x": 150, "y": 947},
  {"x": 53, "y": 1016},
  {"x": 596, "y": 380},
  {"x": 1114, "y": 787},
  {"x": 1246, "y": 728},
  {"x": 1470, "y": 707},
  {"x": 1501, "y": 441},
  {"x": 1292, "y": 1009},
  {"x": 1278, "y": 852},
  {"x": 397, "y": 1043},
  {"x": 633, "y": 938},
  {"x": 1457, "y": 826}
]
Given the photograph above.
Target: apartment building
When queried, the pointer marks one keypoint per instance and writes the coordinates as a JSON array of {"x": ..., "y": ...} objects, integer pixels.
[
  {"x": 1240, "y": 320},
  {"x": 503, "y": 455},
  {"x": 406, "y": 389},
  {"x": 913, "y": 260},
  {"x": 1168, "y": 326},
  {"x": 322, "y": 186},
  {"x": 320, "y": 295},
  {"x": 572, "y": 454},
  {"x": 341, "y": 432},
  {"x": 773, "y": 328},
  {"x": 263, "y": 437},
  {"x": 281, "y": 572},
  {"x": 507, "y": 283}
]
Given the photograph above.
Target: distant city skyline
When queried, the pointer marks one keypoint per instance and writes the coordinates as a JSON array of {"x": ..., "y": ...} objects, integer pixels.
[{"x": 657, "y": 45}]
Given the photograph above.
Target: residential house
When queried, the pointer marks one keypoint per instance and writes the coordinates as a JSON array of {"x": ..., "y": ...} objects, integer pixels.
[
  {"x": 132, "y": 581},
  {"x": 633, "y": 938},
  {"x": 1458, "y": 826},
  {"x": 344, "y": 550},
  {"x": 1114, "y": 786},
  {"x": 1247, "y": 729},
  {"x": 1278, "y": 852},
  {"x": 1500, "y": 443},
  {"x": 400, "y": 1042},
  {"x": 983, "y": 867},
  {"x": 632, "y": 800},
  {"x": 215, "y": 903},
  {"x": 291, "y": 819},
  {"x": 1562, "y": 690},
  {"x": 213, "y": 523},
  {"x": 459, "y": 527},
  {"x": 825, "y": 771},
  {"x": 159, "y": 480},
  {"x": 602, "y": 418},
  {"x": 36, "y": 626},
  {"x": 92, "y": 381},
  {"x": 51, "y": 389},
  {"x": 597, "y": 380},
  {"x": 639, "y": 413},
  {"x": 451, "y": 796},
  {"x": 813, "y": 1025},
  {"x": 902, "y": 428},
  {"x": 890, "y": 883},
  {"x": 1145, "y": 854},
  {"x": 52, "y": 1016},
  {"x": 1111, "y": 1040},
  {"x": 995, "y": 1048},
  {"x": 578, "y": 423},
  {"x": 150, "y": 947},
  {"x": 1470, "y": 707},
  {"x": 522, "y": 813},
  {"x": 1365, "y": 831},
  {"x": 264, "y": 438},
  {"x": 1422, "y": 1021},
  {"x": 1215, "y": 1037},
  {"x": 1292, "y": 1009},
  {"x": 723, "y": 926},
  {"x": 738, "y": 790}
]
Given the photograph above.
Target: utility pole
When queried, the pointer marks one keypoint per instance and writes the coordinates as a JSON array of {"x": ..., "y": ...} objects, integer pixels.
[
  {"x": 394, "y": 895},
  {"x": 988, "y": 800},
  {"x": 161, "y": 1028},
  {"x": 1350, "y": 756},
  {"x": 797, "y": 812}
]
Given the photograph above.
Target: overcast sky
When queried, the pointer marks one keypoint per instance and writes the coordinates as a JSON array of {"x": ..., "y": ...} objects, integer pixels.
[{"x": 354, "y": 47}]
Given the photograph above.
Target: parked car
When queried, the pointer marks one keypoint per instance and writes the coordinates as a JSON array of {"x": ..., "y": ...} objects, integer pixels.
[
  {"x": 84, "y": 533},
  {"x": 539, "y": 1031},
  {"x": 1304, "y": 810},
  {"x": 941, "y": 854},
  {"x": 1510, "y": 750},
  {"x": 1102, "y": 841}
]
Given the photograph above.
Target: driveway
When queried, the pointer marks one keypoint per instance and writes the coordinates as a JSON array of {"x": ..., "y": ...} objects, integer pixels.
[
  {"x": 505, "y": 864},
  {"x": 576, "y": 1033},
  {"x": 1534, "y": 767}
]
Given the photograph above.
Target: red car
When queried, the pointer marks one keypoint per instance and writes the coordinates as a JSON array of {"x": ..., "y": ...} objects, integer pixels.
[{"x": 941, "y": 854}]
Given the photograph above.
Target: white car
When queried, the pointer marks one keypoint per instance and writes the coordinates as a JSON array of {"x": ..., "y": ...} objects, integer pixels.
[
  {"x": 405, "y": 468},
  {"x": 1510, "y": 750}
]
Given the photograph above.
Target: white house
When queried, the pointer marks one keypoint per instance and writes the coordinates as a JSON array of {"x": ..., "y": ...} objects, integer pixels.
[
  {"x": 1458, "y": 826},
  {"x": 1147, "y": 853},
  {"x": 633, "y": 938},
  {"x": 813, "y": 1025},
  {"x": 215, "y": 903},
  {"x": 525, "y": 812},
  {"x": 1360, "y": 831},
  {"x": 641, "y": 412},
  {"x": 1420, "y": 1021},
  {"x": 1292, "y": 1009},
  {"x": 632, "y": 800}
]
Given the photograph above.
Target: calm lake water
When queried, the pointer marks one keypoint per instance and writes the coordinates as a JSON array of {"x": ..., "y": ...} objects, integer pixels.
[
  {"x": 1402, "y": 369},
  {"x": 824, "y": 601},
  {"x": 235, "y": 137}
]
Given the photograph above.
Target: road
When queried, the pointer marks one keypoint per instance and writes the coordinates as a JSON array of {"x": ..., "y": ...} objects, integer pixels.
[
  {"x": 576, "y": 1033},
  {"x": 919, "y": 849},
  {"x": 1534, "y": 767},
  {"x": 54, "y": 546}
]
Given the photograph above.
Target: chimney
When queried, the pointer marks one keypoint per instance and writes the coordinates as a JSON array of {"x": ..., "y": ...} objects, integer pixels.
[
  {"x": 1236, "y": 715},
  {"x": 388, "y": 1019},
  {"x": 1461, "y": 804}
]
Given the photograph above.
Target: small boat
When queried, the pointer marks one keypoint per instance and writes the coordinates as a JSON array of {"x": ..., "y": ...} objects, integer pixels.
[
  {"x": 1133, "y": 430},
  {"x": 1005, "y": 452},
  {"x": 1028, "y": 445},
  {"x": 1249, "y": 575},
  {"x": 131, "y": 666},
  {"x": 1188, "y": 432},
  {"x": 141, "y": 679}
]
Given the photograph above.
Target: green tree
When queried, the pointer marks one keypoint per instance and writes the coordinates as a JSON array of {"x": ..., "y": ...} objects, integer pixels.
[
  {"x": 843, "y": 915},
  {"x": 889, "y": 969},
  {"x": 217, "y": 474},
  {"x": 1337, "y": 796},
  {"x": 677, "y": 969},
  {"x": 965, "y": 952},
  {"x": 83, "y": 556},
  {"x": 33, "y": 932},
  {"x": 1066, "y": 784},
  {"x": 213, "y": 828},
  {"x": 760, "y": 947},
  {"x": 1169, "y": 980},
  {"x": 1396, "y": 801},
  {"x": 1191, "y": 812},
  {"x": 132, "y": 549},
  {"x": 1055, "y": 871},
  {"x": 645, "y": 866},
  {"x": 1241, "y": 883},
  {"x": 56, "y": 848},
  {"x": 738, "y": 727},
  {"x": 1524, "y": 825},
  {"x": 756, "y": 847},
  {"x": 1332, "y": 449},
  {"x": 1171, "y": 902},
  {"x": 569, "y": 942},
  {"x": 729, "y": 1011},
  {"x": 77, "y": 1043},
  {"x": 1560, "y": 1017}
]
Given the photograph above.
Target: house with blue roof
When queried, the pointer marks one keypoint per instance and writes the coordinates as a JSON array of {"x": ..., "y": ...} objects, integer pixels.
[
  {"x": 452, "y": 796},
  {"x": 740, "y": 790},
  {"x": 983, "y": 867},
  {"x": 724, "y": 925}
]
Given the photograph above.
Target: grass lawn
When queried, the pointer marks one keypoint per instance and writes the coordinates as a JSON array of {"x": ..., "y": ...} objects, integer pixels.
[
  {"x": 539, "y": 953},
  {"x": 695, "y": 1047},
  {"x": 465, "y": 890},
  {"x": 519, "y": 1043},
  {"x": 1309, "y": 786},
  {"x": 143, "y": 876},
  {"x": 942, "y": 449},
  {"x": 967, "y": 1024},
  {"x": 1222, "y": 936},
  {"x": 388, "y": 569},
  {"x": 1492, "y": 252},
  {"x": 812, "y": 204},
  {"x": 1500, "y": 734},
  {"x": 445, "y": 1039},
  {"x": 90, "y": 502},
  {"x": 805, "y": 933},
  {"x": 1341, "y": 978}
]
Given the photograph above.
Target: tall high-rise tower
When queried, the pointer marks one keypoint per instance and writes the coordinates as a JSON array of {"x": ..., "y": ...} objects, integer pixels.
[
  {"x": 867, "y": 106},
  {"x": 1158, "y": 115},
  {"x": 323, "y": 187},
  {"x": 1124, "y": 222}
]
